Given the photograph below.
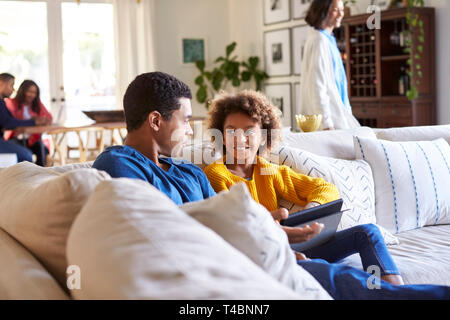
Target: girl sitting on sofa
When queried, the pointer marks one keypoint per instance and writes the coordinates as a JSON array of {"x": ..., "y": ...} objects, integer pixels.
[{"x": 249, "y": 123}]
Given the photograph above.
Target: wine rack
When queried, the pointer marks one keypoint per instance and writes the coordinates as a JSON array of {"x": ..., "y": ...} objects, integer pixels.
[{"x": 378, "y": 73}]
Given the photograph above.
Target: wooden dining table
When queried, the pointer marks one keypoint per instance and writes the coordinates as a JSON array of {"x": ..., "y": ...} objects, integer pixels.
[{"x": 58, "y": 134}]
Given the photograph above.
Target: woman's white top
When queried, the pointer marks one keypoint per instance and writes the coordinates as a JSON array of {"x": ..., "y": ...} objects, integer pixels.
[{"x": 318, "y": 90}]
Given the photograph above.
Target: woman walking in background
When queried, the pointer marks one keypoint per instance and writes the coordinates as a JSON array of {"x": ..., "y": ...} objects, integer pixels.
[
  {"x": 27, "y": 105},
  {"x": 324, "y": 82}
]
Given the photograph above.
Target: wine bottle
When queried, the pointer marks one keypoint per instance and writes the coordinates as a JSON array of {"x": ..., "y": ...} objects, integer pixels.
[
  {"x": 403, "y": 81},
  {"x": 402, "y": 39}
]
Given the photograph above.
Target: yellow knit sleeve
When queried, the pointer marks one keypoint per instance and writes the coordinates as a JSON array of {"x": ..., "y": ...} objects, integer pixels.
[
  {"x": 302, "y": 189},
  {"x": 218, "y": 177}
]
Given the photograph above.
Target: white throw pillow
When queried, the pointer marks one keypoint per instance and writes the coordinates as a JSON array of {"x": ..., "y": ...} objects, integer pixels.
[
  {"x": 131, "y": 241},
  {"x": 38, "y": 206},
  {"x": 411, "y": 181},
  {"x": 250, "y": 228},
  {"x": 353, "y": 178}
]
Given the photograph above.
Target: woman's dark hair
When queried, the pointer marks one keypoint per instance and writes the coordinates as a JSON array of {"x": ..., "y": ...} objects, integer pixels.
[
  {"x": 318, "y": 12},
  {"x": 21, "y": 95},
  {"x": 154, "y": 91}
]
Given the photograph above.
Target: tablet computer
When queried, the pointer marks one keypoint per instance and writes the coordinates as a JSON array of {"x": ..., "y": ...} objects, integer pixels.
[{"x": 328, "y": 214}]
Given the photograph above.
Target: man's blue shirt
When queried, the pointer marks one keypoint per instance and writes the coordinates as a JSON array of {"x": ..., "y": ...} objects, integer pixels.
[{"x": 183, "y": 182}]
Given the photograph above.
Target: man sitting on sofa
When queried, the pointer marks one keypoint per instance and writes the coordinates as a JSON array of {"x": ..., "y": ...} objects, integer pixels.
[{"x": 157, "y": 111}]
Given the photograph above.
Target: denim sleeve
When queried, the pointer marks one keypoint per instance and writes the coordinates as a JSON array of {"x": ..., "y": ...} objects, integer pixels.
[{"x": 7, "y": 121}]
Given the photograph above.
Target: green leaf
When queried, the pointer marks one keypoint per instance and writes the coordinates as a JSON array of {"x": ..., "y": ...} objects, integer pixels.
[
  {"x": 253, "y": 61},
  {"x": 200, "y": 65},
  {"x": 199, "y": 80},
  {"x": 219, "y": 59},
  {"x": 420, "y": 48},
  {"x": 246, "y": 76},
  {"x": 202, "y": 94},
  {"x": 208, "y": 75},
  {"x": 230, "y": 48},
  {"x": 236, "y": 82},
  {"x": 409, "y": 62}
]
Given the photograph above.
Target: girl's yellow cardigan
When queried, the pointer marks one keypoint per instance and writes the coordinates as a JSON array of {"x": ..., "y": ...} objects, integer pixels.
[{"x": 271, "y": 182}]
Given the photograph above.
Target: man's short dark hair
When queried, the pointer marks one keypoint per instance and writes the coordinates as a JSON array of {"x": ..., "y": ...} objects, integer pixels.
[
  {"x": 318, "y": 12},
  {"x": 154, "y": 91},
  {"x": 5, "y": 77}
]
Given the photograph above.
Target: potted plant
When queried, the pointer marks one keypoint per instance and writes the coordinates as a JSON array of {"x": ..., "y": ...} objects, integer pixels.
[{"x": 228, "y": 70}]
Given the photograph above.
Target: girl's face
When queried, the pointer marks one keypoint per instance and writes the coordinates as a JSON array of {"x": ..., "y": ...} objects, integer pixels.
[
  {"x": 30, "y": 94},
  {"x": 242, "y": 137},
  {"x": 336, "y": 14}
]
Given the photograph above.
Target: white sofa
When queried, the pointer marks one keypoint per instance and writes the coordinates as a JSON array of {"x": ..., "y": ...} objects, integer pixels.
[{"x": 422, "y": 255}]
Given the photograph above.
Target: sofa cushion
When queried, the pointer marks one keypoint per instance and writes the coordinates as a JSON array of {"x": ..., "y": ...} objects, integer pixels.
[
  {"x": 425, "y": 133},
  {"x": 335, "y": 144},
  {"x": 38, "y": 206},
  {"x": 423, "y": 256},
  {"x": 353, "y": 178},
  {"x": 131, "y": 241},
  {"x": 22, "y": 277},
  {"x": 411, "y": 181},
  {"x": 72, "y": 167},
  {"x": 250, "y": 228}
]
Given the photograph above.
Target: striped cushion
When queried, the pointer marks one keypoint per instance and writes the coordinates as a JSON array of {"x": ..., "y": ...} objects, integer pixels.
[
  {"x": 411, "y": 181},
  {"x": 353, "y": 178}
]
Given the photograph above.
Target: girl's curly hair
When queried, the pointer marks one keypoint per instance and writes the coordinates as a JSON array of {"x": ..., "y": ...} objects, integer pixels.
[{"x": 252, "y": 103}]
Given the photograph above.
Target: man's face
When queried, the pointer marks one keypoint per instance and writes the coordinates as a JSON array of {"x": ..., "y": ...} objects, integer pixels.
[
  {"x": 174, "y": 133},
  {"x": 7, "y": 88}
]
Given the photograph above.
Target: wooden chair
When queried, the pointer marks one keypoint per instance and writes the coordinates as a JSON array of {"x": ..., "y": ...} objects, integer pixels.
[{"x": 60, "y": 153}]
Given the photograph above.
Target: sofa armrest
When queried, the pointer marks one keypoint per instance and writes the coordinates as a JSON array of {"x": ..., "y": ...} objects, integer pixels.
[
  {"x": 22, "y": 276},
  {"x": 425, "y": 133}
]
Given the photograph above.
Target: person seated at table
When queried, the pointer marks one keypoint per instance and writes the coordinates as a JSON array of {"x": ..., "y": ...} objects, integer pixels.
[
  {"x": 25, "y": 106},
  {"x": 7, "y": 121}
]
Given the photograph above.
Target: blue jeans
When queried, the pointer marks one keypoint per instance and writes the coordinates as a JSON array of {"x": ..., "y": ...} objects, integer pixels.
[
  {"x": 23, "y": 154},
  {"x": 366, "y": 240},
  {"x": 347, "y": 283},
  {"x": 38, "y": 148}
]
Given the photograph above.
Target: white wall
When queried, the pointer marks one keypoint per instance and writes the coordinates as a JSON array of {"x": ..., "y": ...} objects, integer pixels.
[{"x": 175, "y": 19}]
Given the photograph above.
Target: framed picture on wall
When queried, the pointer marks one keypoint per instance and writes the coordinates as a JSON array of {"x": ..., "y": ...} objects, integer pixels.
[
  {"x": 300, "y": 8},
  {"x": 279, "y": 94},
  {"x": 276, "y": 11},
  {"x": 299, "y": 36},
  {"x": 192, "y": 50},
  {"x": 295, "y": 105},
  {"x": 277, "y": 52}
]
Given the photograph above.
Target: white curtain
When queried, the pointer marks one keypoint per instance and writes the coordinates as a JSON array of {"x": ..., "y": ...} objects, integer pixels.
[{"x": 133, "y": 23}]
